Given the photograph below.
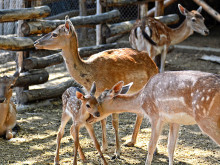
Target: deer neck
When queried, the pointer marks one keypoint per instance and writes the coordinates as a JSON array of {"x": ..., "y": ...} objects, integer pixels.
[
  {"x": 125, "y": 103},
  {"x": 75, "y": 65},
  {"x": 180, "y": 33}
]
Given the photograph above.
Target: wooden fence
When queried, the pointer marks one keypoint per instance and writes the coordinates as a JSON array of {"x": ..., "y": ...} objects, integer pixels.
[{"x": 33, "y": 69}]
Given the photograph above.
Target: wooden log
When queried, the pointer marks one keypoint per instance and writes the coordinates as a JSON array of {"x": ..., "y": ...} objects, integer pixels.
[
  {"x": 46, "y": 26},
  {"x": 32, "y": 77},
  {"x": 16, "y": 43},
  {"x": 72, "y": 13},
  {"x": 166, "y": 3},
  {"x": 113, "y": 3},
  {"x": 208, "y": 9},
  {"x": 38, "y": 63},
  {"x": 125, "y": 27},
  {"x": 10, "y": 15},
  {"x": 45, "y": 93}
]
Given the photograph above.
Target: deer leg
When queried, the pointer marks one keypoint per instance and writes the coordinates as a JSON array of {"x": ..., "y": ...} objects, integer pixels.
[
  {"x": 90, "y": 129},
  {"x": 9, "y": 134},
  {"x": 156, "y": 128},
  {"x": 137, "y": 126},
  {"x": 104, "y": 139},
  {"x": 64, "y": 119},
  {"x": 75, "y": 134},
  {"x": 173, "y": 136},
  {"x": 163, "y": 58},
  {"x": 81, "y": 154},
  {"x": 115, "y": 124}
]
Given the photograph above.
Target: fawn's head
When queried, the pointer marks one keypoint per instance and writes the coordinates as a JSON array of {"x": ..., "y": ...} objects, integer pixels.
[
  {"x": 59, "y": 38},
  {"x": 194, "y": 19},
  {"x": 89, "y": 101},
  {"x": 106, "y": 98},
  {"x": 6, "y": 85}
]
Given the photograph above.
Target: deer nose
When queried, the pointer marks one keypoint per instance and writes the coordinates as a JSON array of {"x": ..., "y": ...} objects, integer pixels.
[
  {"x": 96, "y": 114},
  {"x": 206, "y": 32}
]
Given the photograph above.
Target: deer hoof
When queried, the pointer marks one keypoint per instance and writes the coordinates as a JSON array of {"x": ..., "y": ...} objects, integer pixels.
[
  {"x": 9, "y": 135},
  {"x": 115, "y": 157},
  {"x": 129, "y": 144}
]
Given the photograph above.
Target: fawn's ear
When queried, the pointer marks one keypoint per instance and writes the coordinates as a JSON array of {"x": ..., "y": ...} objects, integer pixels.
[
  {"x": 79, "y": 95},
  {"x": 126, "y": 88},
  {"x": 93, "y": 89},
  {"x": 182, "y": 10},
  {"x": 116, "y": 89},
  {"x": 199, "y": 9}
]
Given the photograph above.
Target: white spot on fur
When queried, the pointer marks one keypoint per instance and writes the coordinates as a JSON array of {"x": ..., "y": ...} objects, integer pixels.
[
  {"x": 207, "y": 98},
  {"x": 209, "y": 90},
  {"x": 192, "y": 94},
  {"x": 203, "y": 98},
  {"x": 197, "y": 106}
]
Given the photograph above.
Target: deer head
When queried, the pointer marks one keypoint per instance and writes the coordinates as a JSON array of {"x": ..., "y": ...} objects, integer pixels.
[
  {"x": 6, "y": 85},
  {"x": 89, "y": 101},
  {"x": 194, "y": 19},
  {"x": 59, "y": 38}
]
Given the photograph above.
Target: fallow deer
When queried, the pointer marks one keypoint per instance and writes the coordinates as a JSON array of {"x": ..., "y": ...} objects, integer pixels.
[
  {"x": 79, "y": 107},
  {"x": 7, "y": 107},
  {"x": 102, "y": 68},
  {"x": 175, "y": 97},
  {"x": 155, "y": 37}
]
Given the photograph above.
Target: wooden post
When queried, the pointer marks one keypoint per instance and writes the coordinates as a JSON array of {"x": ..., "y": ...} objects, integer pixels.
[
  {"x": 143, "y": 10},
  {"x": 98, "y": 27},
  {"x": 159, "y": 11},
  {"x": 1, "y": 24},
  {"x": 82, "y": 12}
]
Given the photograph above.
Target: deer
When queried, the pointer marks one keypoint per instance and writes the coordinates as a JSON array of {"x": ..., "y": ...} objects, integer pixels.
[
  {"x": 174, "y": 97},
  {"x": 79, "y": 107},
  {"x": 155, "y": 37},
  {"x": 103, "y": 67},
  {"x": 7, "y": 107}
]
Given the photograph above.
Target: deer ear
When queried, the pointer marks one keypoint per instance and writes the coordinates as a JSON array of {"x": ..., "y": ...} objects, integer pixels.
[
  {"x": 183, "y": 11},
  {"x": 93, "y": 89},
  {"x": 199, "y": 9},
  {"x": 79, "y": 95},
  {"x": 126, "y": 88},
  {"x": 67, "y": 23},
  {"x": 117, "y": 88}
]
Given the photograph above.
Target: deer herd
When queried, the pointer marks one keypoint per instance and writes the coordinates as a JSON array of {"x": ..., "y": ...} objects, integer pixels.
[{"x": 173, "y": 97}]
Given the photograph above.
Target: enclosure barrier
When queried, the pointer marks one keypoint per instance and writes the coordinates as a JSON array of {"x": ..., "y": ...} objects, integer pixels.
[{"x": 34, "y": 68}]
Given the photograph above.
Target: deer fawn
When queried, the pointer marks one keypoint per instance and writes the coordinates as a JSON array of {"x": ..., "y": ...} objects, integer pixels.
[
  {"x": 103, "y": 68},
  {"x": 153, "y": 36},
  {"x": 7, "y": 107},
  {"x": 178, "y": 97},
  {"x": 79, "y": 107}
]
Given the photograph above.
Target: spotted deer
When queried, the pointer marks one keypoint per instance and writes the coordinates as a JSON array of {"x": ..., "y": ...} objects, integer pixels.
[
  {"x": 155, "y": 37},
  {"x": 103, "y": 67},
  {"x": 7, "y": 107},
  {"x": 175, "y": 97},
  {"x": 79, "y": 108}
]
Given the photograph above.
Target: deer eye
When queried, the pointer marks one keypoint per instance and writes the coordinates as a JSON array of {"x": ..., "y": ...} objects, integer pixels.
[
  {"x": 54, "y": 35},
  {"x": 193, "y": 20},
  {"x": 88, "y": 106}
]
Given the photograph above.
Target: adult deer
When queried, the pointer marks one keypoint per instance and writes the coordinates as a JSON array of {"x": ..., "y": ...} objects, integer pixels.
[
  {"x": 102, "y": 68},
  {"x": 177, "y": 98},
  {"x": 7, "y": 107},
  {"x": 79, "y": 107},
  {"x": 153, "y": 36}
]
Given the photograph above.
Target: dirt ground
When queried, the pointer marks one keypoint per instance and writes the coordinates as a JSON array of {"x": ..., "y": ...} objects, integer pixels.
[{"x": 35, "y": 143}]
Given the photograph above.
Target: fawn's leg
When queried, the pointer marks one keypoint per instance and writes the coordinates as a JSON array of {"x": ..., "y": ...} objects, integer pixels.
[
  {"x": 104, "y": 139},
  {"x": 64, "y": 119},
  {"x": 156, "y": 128},
  {"x": 90, "y": 129},
  {"x": 115, "y": 124},
  {"x": 75, "y": 134},
  {"x": 172, "y": 139}
]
